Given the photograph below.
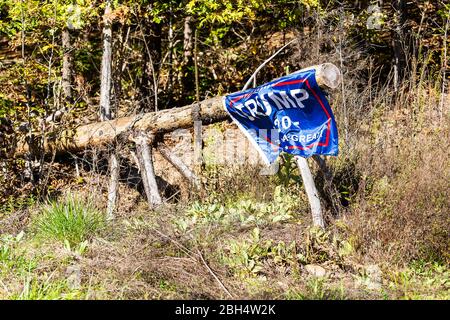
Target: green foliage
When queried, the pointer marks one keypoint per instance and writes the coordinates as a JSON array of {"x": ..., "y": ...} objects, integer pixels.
[
  {"x": 72, "y": 221},
  {"x": 317, "y": 289},
  {"x": 12, "y": 204},
  {"x": 36, "y": 14},
  {"x": 19, "y": 275},
  {"x": 246, "y": 212},
  {"x": 46, "y": 289},
  {"x": 222, "y": 11},
  {"x": 225, "y": 12},
  {"x": 421, "y": 280},
  {"x": 11, "y": 257},
  {"x": 246, "y": 257},
  {"x": 288, "y": 175}
]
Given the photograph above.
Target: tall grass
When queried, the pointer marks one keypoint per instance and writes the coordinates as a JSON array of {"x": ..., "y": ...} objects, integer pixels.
[{"x": 72, "y": 219}]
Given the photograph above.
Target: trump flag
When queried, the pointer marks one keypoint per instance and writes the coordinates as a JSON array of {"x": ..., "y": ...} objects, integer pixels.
[{"x": 289, "y": 114}]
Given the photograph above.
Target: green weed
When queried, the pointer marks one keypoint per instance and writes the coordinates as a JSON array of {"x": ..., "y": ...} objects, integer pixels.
[
  {"x": 317, "y": 289},
  {"x": 71, "y": 221},
  {"x": 11, "y": 259},
  {"x": 246, "y": 258},
  {"x": 46, "y": 289},
  {"x": 421, "y": 280},
  {"x": 243, "y": 211}
]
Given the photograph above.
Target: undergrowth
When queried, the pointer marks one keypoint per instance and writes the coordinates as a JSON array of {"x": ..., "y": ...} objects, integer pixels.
[{"x": 71, "y": 220}]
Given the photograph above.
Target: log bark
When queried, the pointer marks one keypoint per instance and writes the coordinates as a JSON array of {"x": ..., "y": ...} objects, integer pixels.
[{"x": 101, "y": 133}]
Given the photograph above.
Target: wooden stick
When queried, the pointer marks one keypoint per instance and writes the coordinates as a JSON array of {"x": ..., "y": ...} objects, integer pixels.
[
  {"x": 253, "y": 77},
  {"x": 178, "y": 164},
  {"x": 144, "y": 154},
  {"x": 113, "y": 186},
  {"x": 214, "y": 275},
  {"x": 311, "y": 192}
]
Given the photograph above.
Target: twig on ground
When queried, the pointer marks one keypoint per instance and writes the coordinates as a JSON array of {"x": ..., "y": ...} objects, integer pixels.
[{"x": 214, "y": 275}]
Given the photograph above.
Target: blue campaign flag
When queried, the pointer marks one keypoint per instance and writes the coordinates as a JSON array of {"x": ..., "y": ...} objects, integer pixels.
[{"x": 289, "y": 114}]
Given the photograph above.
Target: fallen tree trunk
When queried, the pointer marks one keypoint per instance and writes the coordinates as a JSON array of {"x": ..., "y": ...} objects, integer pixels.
[{"x": 102, "y": 133}]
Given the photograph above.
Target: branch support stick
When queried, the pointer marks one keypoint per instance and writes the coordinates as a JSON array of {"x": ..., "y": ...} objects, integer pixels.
[
  {"x": 178, "y": 164},
  {"x": 113, "y": 186},
  {"x": 311, "y": 192},
  {"x": 144, "y": 154}
]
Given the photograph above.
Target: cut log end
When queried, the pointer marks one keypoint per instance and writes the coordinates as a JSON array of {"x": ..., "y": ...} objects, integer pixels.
[{"x": 328, "y": 75}]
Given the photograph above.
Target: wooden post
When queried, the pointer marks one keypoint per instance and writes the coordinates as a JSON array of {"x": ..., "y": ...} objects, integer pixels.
[
  {"x": 144, "y": 154},
  {"x": 113, "y": 186},
  {"x": 198, "y": 142},
  {"x": 311, "y": 192}
]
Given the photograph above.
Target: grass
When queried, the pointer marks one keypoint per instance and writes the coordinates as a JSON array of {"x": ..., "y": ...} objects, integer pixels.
[
  {"x": 29, "y": 273},
  {"x": 71, "y": 220},
  {"x": 421, "y": 280},
  {"x": 317, "y": 289},
  {"x": 45, "y": 289},
  {"x": 12, "y": 258}
]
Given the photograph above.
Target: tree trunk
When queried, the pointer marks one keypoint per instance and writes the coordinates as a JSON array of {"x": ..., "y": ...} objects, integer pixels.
[
  {"x": 114, "y": 169},
  {"x": 105, "y": 86},
  {"x": 148, "y": 86},
  {"x": 170, "y": 40},
  {"x": 400, "y": 42},
  {"x": 198, "y": 129},
  {"x": 105, "y": 107},
  {"x": 67, "y": 68},
  {"x": 188, "y": 44},
  {"x": 187, "y": 77}
]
